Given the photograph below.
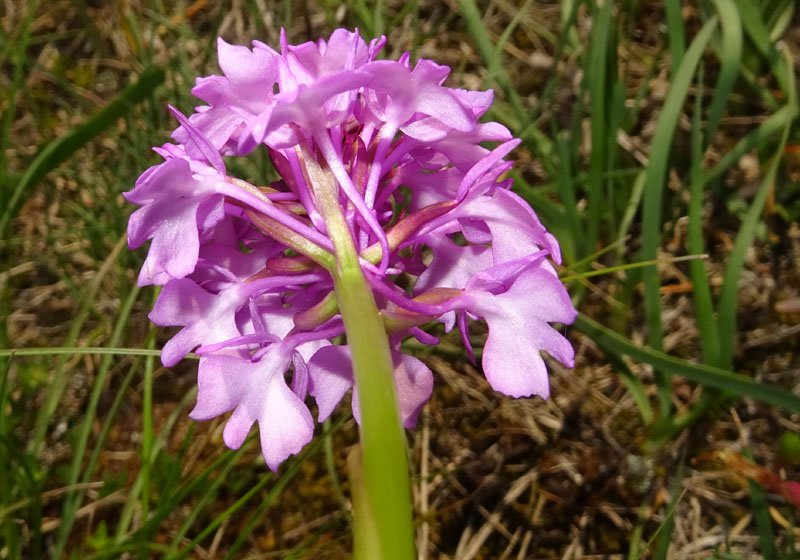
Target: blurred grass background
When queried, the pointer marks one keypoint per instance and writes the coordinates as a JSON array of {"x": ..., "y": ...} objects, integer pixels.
[{"x": 660, "y": 146}]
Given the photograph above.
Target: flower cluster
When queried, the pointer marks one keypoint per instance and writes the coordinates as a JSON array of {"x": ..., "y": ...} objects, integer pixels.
[{"x": 246, "y": 270}]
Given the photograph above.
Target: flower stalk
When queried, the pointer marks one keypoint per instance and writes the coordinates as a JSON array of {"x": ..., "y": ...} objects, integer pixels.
[
  {"x": 384, "y": 459},
  {"x": 382, "y": 494}
]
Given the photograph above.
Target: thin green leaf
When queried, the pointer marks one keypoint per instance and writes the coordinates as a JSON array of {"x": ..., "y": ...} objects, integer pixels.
[
  {"x": 633, "y": 384},
  {"x": 700, "y": 373},
  {"x": 20, "y": 46},
  {"x": 76, "y": 494},
  {"x": 294, "y": 467},
  {"x": 633, "y": 205},
  {"x": 779, "y": 20},
  {"x": 569, "y": 13},
  {"x": 171, "y": 499},
  {"x": 566, "y": 189},
  {"x": 677, "y": 34},
  {"x": 63, "y": 147},
  {"x": 629, "y": 266},
  {"x": 147, "y": 416},
  {"x": 521, "y": 124},
  {"x": 515, "y": 21},
  {"x": 377, "y": 18},
  {"x": 655, "y": 177},
  {"x": 596, "y": 71},
  {"x": 80, "y": 351},
  {"x": 71, "y": 501},
  {"x": 56, "y": 387},
  {"x": 126, "y": 517},
  {"x": 766, "y": 537},
  {"x": 330, "y": 465},
  {"x": 730, "y": 286},
  {"x": 203, "y": 500},
  {"x": 618, "y": 244},
  {"x": 654, "y": 192},
  {"x": 775, "y": 122},
  {"x": 730, "y": 60},
  {"x": 704, "y": 307},
  {"x": 667, "y": 528}
]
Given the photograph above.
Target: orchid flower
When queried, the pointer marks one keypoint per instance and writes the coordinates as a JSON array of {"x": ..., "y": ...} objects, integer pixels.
[
  {"x": 376, "y": 155},
  {"x": 391, "y": 213}
]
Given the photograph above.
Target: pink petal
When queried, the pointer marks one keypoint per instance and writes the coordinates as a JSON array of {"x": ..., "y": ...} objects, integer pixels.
[
  {"x": 331, "y": 373},
  {"x": 518, "y": 330},
  {"x": 284, "y": 422},
  {"x": 330, "y": 377}
]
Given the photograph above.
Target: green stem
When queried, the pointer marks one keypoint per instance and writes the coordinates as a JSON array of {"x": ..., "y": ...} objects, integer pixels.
[
  {"x": 147, "y": 418},
  {"x": 330, "y": 464},
  {"x": 384, "y": 461},
  {"x": 365, "y": 542}
]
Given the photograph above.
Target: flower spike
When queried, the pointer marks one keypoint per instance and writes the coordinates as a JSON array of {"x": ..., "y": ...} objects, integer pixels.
[{"x": 386, "y": 182}]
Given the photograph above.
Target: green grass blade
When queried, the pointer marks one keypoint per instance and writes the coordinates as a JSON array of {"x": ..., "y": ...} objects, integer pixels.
[
  {"x": 119, "y": 551},
  {"x": 171, "y": 499},
  {"x": 71, "y": 501},
  {"x": 10, "y": 530},
  {"x": 282, "y": 482},
  {"x": 615, "y": 190},
  {"x": 667, "y": 528},
  {"x": 147, "y": 416},
  {"x": 619, "y": 244},
  {"x": 730, "y": 286},
  {"x": 4, "y": 424},
  {"x": 330, "y": 465},
  {"x": 628, "y": 266},
  {"x": 515, "y": 21},
  {"x": 730, "y": 61},
  {"x": 75, "y": 497},
  {"x": 597, "y": 74},
  {"x": 654, "y": 192},
  {"x": 197, "y": 507},
  {"x": 128, "y": 510},
  {"x": 633, "y": 384},
  {"x": 294, "y": 466},
  {"x": 569, "y": 202},
  {"x": 364, "y": 14},
  {"x": 774, "y": 123},
  {"x": 759, "y": 34},
  {"x": 63, "y": 147},
  {"x": 633, "y": 204},
  {"x": 781, "y": 18},
  {"x": 377, "y": 18},
  {"x": 569, "y": 13},
  {"x": 81, "y": 351},
  {"x": 56, "y": 386},
  {"x": 766, "y": 537},
  {"x": 677, "y": 34},
  {"x": 537, "y": 141},
  {"x": 699, "y": 373},
  {"x": 19, "y": 47},
  {"x": 636, "y": 545},
  {"x": 238, "y": 505},
  {"x": 701, "y": 289},
  {"x": 656, "y": 175}
]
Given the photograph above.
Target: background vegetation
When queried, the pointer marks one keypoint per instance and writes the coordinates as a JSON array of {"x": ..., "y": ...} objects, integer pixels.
[{"x": 660, "y": 146}]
